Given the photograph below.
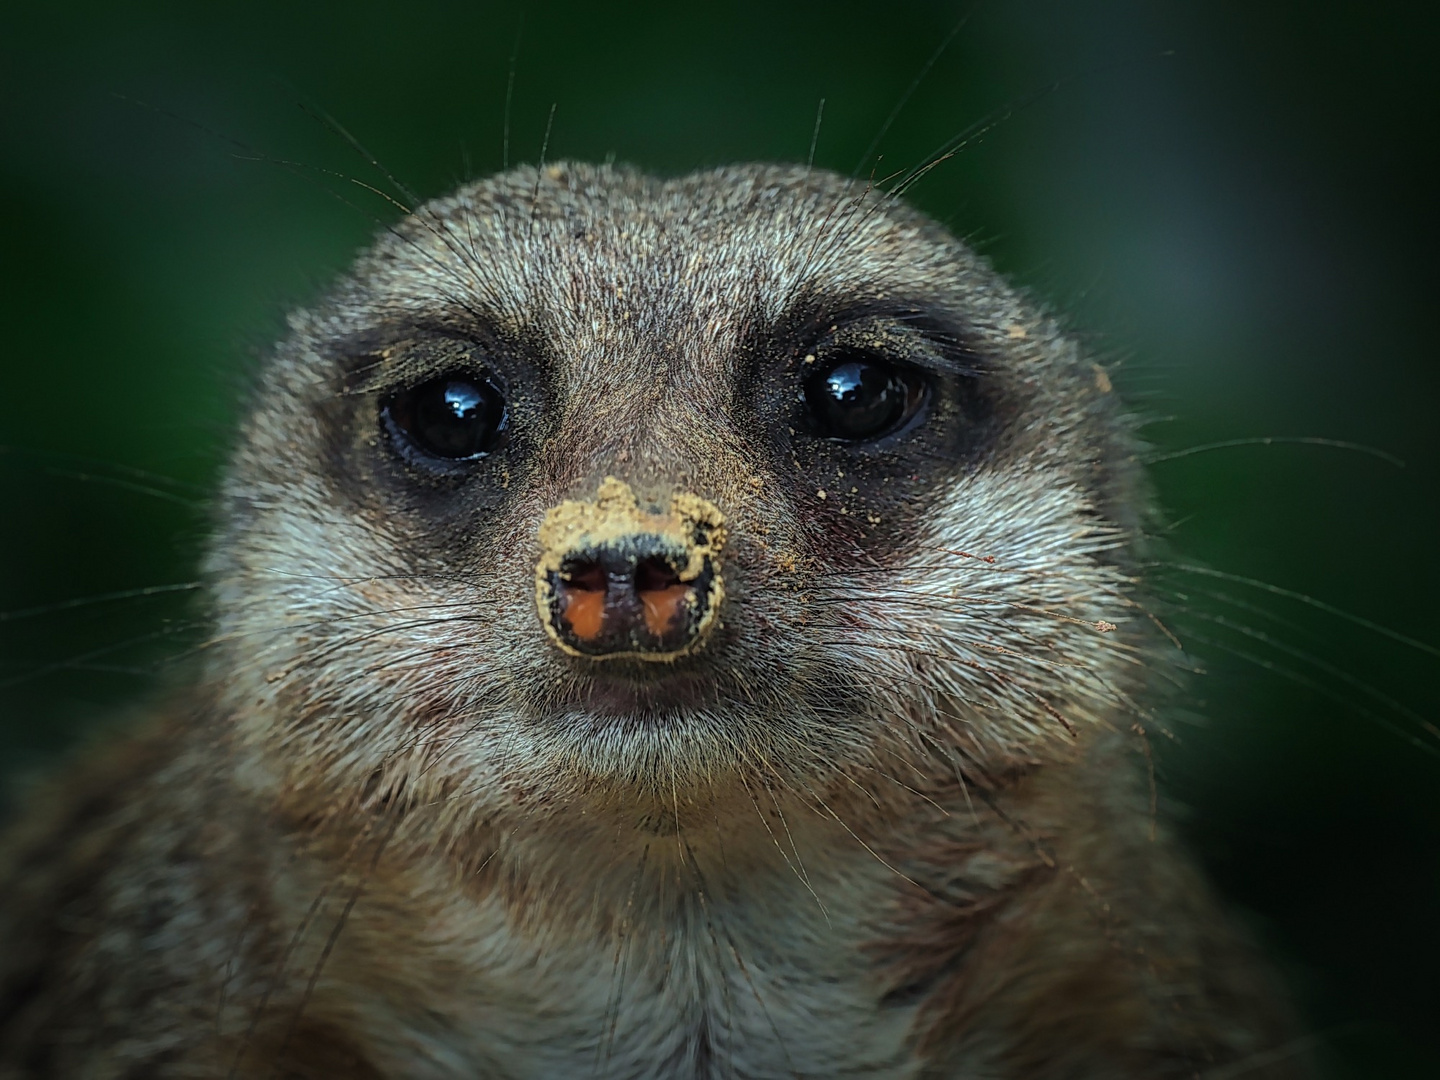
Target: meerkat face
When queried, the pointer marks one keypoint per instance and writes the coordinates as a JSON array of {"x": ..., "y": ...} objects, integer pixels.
[{"x": 590, "y": 484}]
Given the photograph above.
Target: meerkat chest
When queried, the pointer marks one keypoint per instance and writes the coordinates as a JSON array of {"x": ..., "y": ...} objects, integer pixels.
[{"x": 717, "y": 989}]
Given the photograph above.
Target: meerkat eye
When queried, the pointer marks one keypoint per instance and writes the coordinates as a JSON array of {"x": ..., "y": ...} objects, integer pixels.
[
  {"x": 857, "y": 398},
  {"x": 457, "y": 417}
]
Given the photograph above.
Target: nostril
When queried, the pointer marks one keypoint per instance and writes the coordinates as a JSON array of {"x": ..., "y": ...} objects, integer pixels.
[
  {"x": 582, "y": 594},
  {"x": 654, "y": 575},
  {"x": 662, "y": 595},
  {"x": 584, "y": 574}
]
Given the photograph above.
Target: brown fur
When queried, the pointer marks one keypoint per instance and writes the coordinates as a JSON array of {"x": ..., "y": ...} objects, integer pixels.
[{"x": 892, "y": 819}]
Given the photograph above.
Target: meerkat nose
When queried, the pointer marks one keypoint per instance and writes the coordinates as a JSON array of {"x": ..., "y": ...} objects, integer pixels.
[
  {"x": 616, "y": 579},
  {"x": 627, "y": 596}
]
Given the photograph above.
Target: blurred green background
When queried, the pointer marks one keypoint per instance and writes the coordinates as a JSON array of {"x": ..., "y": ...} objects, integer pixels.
[{"x": 1235, "y": 202}]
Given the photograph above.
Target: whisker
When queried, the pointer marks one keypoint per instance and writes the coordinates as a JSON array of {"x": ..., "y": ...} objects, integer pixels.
[
  {"x": 619, "y": 964},
  {"x": 333, "y": 938},
  {"x": 81, "y": 660},
  {"x": 856, "y": 837},
  {"x": 144, "y": 480},
  {"x": 1313, "y": 661},
  {"x": 745, "y": 974},
  {"x": 1320, "y": 688},
  {"x": 510, "y": 93},
  {"x": 815, "y": 136},
  {"x": 796, "y": 867},
  {"x": 1276, "y": 440},
  {"x": 1309, "y": 601},
  {"x": 97, "y": 599}
]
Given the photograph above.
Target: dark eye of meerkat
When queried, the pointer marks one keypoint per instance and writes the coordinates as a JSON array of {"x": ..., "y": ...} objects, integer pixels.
[
  {"x": 456, "y": 417},
  {"x": 856, "y": 398}
]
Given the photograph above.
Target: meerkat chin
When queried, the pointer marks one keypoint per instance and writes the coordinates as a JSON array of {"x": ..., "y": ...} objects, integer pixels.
[{"x": 662, "y": 628}]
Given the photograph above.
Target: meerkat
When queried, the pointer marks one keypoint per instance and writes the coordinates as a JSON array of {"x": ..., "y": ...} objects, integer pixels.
[{"x": 660, "y": 628}]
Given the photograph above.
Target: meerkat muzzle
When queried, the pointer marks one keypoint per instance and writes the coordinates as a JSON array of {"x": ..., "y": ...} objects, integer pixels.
[{"x": 616, "y": 580}]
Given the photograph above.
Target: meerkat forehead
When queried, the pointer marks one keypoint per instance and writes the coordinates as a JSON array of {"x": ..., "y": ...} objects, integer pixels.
[{"x": 556, "y": 245}]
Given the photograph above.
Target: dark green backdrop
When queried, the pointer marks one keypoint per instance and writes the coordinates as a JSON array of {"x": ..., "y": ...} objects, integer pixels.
[{"x": 1247, "y": 224}]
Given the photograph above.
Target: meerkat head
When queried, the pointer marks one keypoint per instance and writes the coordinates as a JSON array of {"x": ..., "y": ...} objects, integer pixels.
[{"x": 585, "y": 485}]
